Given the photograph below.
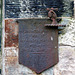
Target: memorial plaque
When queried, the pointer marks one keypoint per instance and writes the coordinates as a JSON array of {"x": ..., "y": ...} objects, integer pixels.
[
  {"x": 37, "y": 8},
  {"x": 38, "y": 45},
  {"x": 38, "y": 38}
]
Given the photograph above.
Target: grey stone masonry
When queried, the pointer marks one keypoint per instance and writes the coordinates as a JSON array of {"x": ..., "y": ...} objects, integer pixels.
[{"x": 37, "y": 8}]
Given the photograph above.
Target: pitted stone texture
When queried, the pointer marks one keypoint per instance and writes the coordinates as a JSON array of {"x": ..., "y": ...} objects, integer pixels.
[
  {"x": 66, "y": 65},
  {"x": 11, "y": 51},
  {"x": 11, "y": 33},
  {"x": 37, "y": 8},
  {"x": 13, "y": 67},
  {"x": 68, "y": 36},
  {"x": 12, "y": 8},
  {"x": 26, "y": 71}
]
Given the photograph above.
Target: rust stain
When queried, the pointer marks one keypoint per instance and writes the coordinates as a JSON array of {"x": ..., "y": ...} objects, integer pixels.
[
  {"x": 11, "y": 33},
  {"x": 11, "y": 40}
]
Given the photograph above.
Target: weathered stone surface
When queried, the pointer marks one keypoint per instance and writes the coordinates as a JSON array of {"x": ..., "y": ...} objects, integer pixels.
[
  {"x": 37, "y": 8},
  {"x": 12, "y": 65},
  {"x": 11, "y": 51},
  {"x": 66, "y": 65},
  {"x": 68, "y": 36}
]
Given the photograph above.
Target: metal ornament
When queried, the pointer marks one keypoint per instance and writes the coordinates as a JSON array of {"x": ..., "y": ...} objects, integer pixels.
[{"x": 38, "y": 42}]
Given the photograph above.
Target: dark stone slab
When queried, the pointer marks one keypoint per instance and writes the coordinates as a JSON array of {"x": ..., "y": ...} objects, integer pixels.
[{"x": 37, "y": 8}]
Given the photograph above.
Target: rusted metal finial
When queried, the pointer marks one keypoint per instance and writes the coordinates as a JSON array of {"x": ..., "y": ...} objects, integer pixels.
[{"x": 52, "y": 15}]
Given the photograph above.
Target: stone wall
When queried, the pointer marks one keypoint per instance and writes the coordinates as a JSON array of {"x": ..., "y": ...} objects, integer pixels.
[
  {"x": 66, "y": 65},
  {"x": 37, "y": 8},
  {"x": 10, "y": 64}
]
